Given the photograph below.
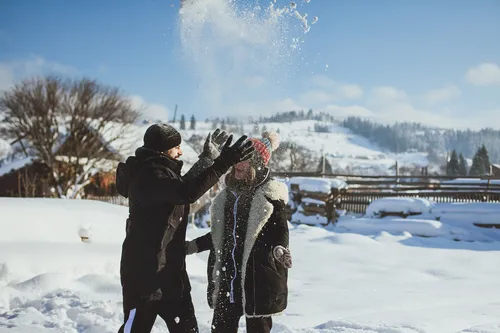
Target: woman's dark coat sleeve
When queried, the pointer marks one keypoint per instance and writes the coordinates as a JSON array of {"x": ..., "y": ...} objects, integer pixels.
[{"x": 280, "y": 224}]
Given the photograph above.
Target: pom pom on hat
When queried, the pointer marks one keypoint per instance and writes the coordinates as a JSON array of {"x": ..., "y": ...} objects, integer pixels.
[
  {"x": 264, "y": 146},
  {"x": 273, "y": 138}
]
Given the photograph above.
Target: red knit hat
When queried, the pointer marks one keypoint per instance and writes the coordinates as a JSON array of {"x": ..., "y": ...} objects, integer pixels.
[{"x": 266, "y": 145}]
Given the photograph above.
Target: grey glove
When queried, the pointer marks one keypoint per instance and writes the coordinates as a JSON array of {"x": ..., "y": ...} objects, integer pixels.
[
  {"x": 283, "y": 255},
  {"x": 190, "y": 247},
  {"x": 213, "y": 144}
]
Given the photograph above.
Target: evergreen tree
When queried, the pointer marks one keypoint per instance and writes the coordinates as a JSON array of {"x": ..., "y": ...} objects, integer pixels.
[
  {"x": 310, "y": 114},
  {"x": 223, "y": 125},
  {"x": 453, "y": 166},
  {"x": 183, "y": 123},
  {"x": 328, "y": 166},
  {"x": 485, "y": 158},
  {"x": 462, "y": 165},
  {"x": 193, "y": 123},
  {"x": 477, "y": 167}
]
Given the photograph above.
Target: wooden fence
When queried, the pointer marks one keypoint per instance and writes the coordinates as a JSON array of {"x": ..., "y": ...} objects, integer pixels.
[
  {"x": 363, "y": 189},
  {"x": 357, "y": 202}
]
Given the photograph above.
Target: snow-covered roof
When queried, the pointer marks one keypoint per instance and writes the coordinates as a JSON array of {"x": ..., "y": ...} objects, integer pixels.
[
  {"x": 471, "y": 181},
  {"x": 316, "y": 184}
]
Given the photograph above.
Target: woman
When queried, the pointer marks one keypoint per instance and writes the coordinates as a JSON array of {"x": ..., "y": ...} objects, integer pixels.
[{"x": 249, "y": 257}]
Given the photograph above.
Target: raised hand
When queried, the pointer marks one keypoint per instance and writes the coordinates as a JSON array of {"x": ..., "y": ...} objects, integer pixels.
[
  {"x": 219, "y": 137},
  {"x": 213, "y": 142},
  {"x": 238, "y": 152}
]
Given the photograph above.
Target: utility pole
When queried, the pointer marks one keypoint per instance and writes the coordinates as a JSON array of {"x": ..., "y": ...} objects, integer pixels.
[
  {"x": 175, "y": 114},
  {"x": 323, "y": 162}
]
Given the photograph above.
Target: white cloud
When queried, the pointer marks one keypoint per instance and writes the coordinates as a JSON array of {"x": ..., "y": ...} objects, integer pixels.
[
  {"x": 316, "y": 97},
  {"x": 350, "y": 110},
  {"x": 325, "y": 90},
  {"x": 350, "y": 91},
  {"x": 322, "y": 81},
  {"x": 484, "y": 74},
  {"x": 387, "y": 104},
  {"x": 151, "y": 111},
  {"x": 391, "y": 104},
  {"x": 442, "y": 95},
  {"x": 13, "y": 70},
  {"x": 382, "y": 95}
]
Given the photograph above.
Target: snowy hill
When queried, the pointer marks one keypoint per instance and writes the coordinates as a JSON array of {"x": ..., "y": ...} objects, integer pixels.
[
  {"x": 346, "y": 152},
  {"x": 342, "y": 282}
]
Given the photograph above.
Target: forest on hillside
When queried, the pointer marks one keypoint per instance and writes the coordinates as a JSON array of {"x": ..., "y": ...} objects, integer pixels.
[
  {"x": 401, "y": 137},
  {"x": 404, "y": 136}
]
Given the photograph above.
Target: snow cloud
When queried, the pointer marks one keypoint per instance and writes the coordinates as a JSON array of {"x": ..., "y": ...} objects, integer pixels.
[
  {"x": 239, "y": 53},
  {"x": 484, "y": 74},
  {"x": 442, "y": 95}
]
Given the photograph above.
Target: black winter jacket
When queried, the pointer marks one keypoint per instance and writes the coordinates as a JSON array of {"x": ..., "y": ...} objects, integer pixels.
[
  {"x": 261, "y": 225},
  {"x": 152, "y": 264}
]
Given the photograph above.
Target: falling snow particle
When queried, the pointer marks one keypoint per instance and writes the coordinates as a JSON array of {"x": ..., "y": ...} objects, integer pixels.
[{"x": 177, "y": 320}]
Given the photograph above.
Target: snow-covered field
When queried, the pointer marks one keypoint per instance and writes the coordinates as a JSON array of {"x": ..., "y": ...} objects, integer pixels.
[{"x": 342, "y": 281}]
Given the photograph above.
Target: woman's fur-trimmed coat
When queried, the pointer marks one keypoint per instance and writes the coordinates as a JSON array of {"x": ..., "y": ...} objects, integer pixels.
[{"x": 263, "y": 279}]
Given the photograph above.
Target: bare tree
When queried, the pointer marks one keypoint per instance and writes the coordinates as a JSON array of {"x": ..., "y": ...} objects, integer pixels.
[
  {"x": 73, "y": 126},
  {"x": 292, "y": 157},
  {"x": 27, "y": 183}
]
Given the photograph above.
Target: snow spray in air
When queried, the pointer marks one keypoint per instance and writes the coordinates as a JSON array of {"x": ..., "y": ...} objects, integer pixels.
[{"x": 240, "y": 51}]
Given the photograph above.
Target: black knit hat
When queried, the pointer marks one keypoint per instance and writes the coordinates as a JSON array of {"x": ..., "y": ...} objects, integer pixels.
[{"x": 161, "y": 137}]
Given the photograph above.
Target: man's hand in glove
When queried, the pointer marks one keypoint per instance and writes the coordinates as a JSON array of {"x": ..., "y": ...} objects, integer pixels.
[
  {"x": 213, "y": 143},
  {"x": 283, "y": 255},
  {"x": 240, "y": 151}
]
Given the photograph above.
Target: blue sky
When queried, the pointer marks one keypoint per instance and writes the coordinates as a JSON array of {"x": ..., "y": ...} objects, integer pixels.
[{"x": 429, "y": 61}]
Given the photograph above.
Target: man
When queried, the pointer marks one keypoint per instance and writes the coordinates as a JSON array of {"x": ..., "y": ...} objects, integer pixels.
[{"x": 153, "y": 269}]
